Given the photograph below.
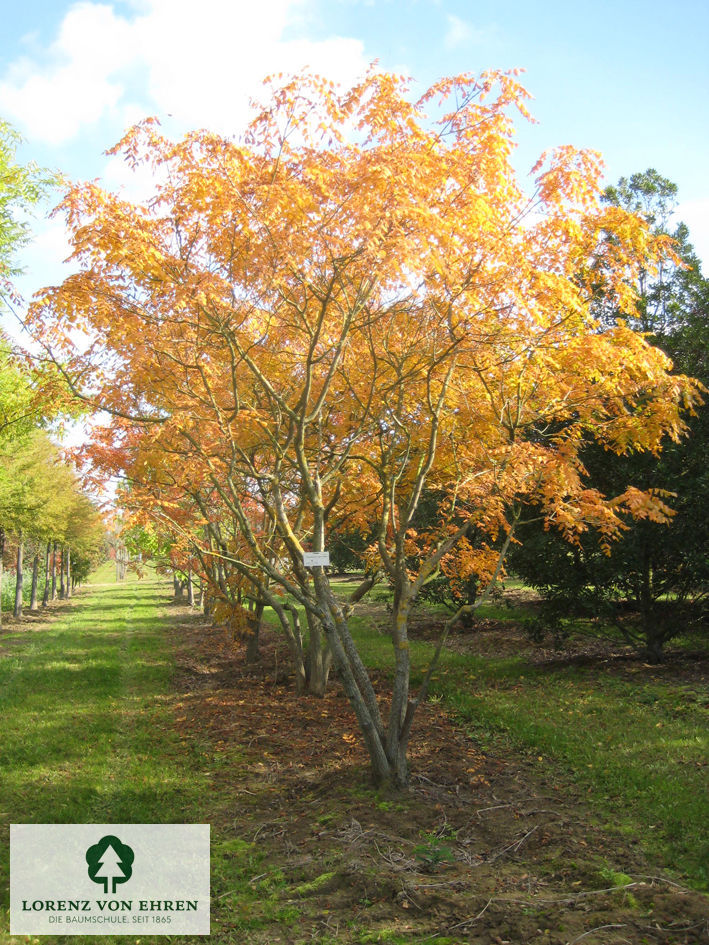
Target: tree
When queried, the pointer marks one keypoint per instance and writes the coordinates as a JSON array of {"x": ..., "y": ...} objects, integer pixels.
[
  {"x": 28, "y": 398},
  {"x": 21, "y": 187},
  {"x": 651, "y": 585},
  {"x": 352, "y": 305},
  {"x": 41, "y": 501}
]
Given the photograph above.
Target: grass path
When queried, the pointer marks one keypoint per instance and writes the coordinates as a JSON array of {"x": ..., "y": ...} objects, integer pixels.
[{"x": 87, "y": 725}]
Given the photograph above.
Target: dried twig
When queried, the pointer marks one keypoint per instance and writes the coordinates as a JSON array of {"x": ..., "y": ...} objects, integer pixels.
[
  {"x": 678, "y": 928},
  {"x": 484, "y": 810},
  {"x": 398, "y": 861},
  {"x": 451, "y": 882},
  {"x": 473, "y": 919},
  {"x": 591, "y": 931},
  {"x": 515, "y": 845},
  {"x": 668, "y": 882}
]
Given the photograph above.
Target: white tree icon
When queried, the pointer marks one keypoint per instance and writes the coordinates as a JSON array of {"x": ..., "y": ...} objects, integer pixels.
[{"x": 110, "y": 870}]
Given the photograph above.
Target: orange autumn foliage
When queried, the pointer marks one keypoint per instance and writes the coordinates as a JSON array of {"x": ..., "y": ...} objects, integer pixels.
[{"x": 356, "y": 302}]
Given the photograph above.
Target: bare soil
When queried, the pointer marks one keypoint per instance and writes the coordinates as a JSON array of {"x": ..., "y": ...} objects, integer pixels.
[{"x": 480, "y": 849}]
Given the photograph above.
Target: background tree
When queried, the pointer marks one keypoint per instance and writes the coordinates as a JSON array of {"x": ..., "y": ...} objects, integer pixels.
[
  {"x": 84, "y": 536},
  {"x": 32, "y": 396},
  {"x": 660, "y": 294},
  {"x": 17, "y": 417},
  {"x": 42, "y": 504},
  {"x": 651, "y": 585},
  {"x": 21, "y": 187}
]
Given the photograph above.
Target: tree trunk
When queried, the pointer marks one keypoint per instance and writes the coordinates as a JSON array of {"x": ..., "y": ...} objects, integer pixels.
[
  {"x": 653, "y": 636},
  {"x": 190, "y": 588},
  {"x": 54, "y": 570},
  {"x": 48, "y": 554},
  {"x": 319, "y": 659},
  {"x": 121, "y": 560},
  {"x": 369, "y": 723},
  {"x": 68, "y": 571},
  {"x": 400, "y": 688},
  {"x": 35, "y": 581},
  {"x": 252, "y": 645},
  {"x": 19, "y": 579},
  {"x": 62, "y": 589},
  {"x": 357, "y": 684},
  {"x": 176, "y": 586},
  {"x": 221, "y": 579}
]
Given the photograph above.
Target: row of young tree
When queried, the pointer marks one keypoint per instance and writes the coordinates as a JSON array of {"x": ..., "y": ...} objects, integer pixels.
[
  {"x": 309, "y": 332},
  {"x": 46, "y": 519}
]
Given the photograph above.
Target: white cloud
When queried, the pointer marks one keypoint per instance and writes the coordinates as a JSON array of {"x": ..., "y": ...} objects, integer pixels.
[
  {"x": 83, "y": 25},
  {"x": 199, "y": 62},
  {"x": 204, "y": 67},
  {"x": 457, "y": 32},
  {"x": 460, "y": 32},
  {"x": 78, "y": 85}
]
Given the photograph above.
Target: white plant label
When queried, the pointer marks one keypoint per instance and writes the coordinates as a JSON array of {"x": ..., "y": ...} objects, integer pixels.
[{"x": 316, "y": 559}]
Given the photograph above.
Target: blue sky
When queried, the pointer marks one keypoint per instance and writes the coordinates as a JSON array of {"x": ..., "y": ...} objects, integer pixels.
[{"x": 630, "y": 79}]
